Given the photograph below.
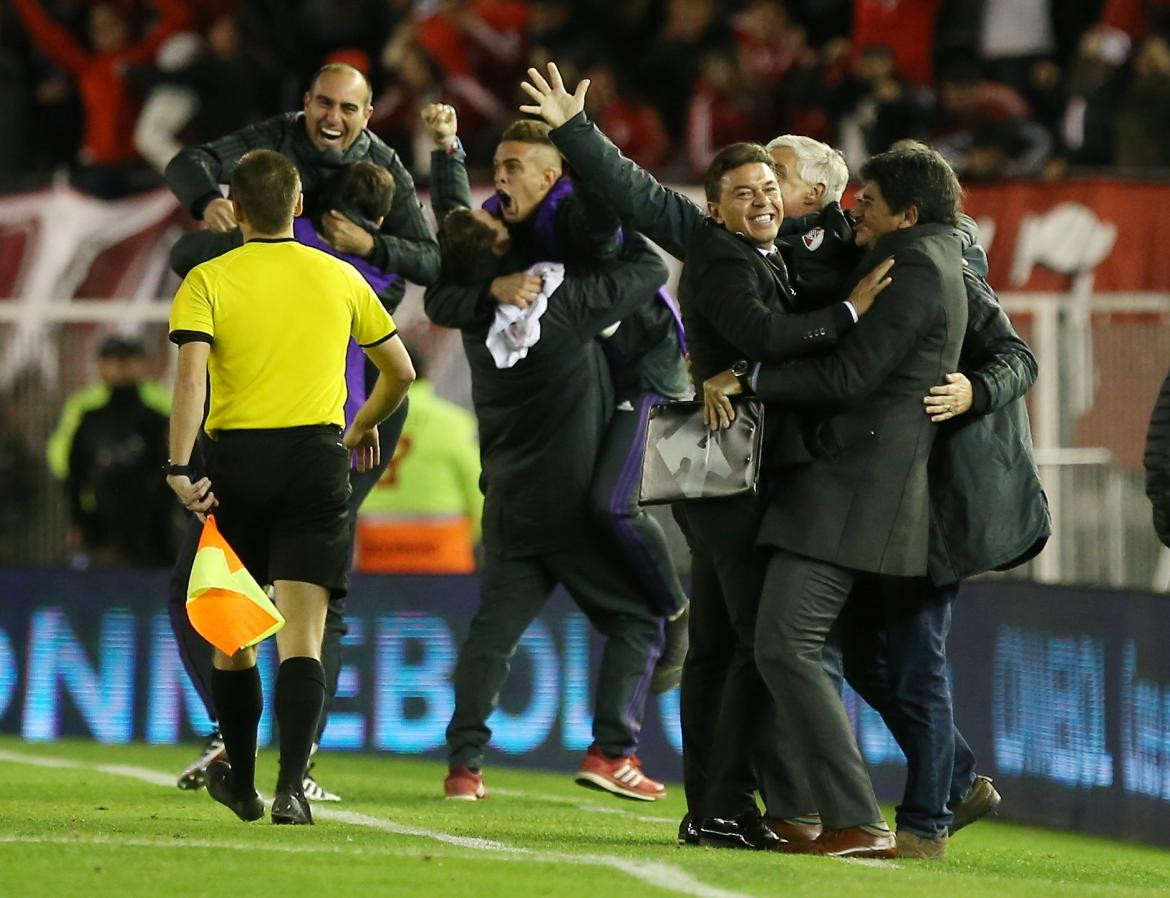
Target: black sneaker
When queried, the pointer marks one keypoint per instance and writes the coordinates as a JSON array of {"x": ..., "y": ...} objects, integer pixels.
[
  {"x": 688, "y": 830},
  {"x": 195, "y": 776},
  {"x": 291, "y": 808},
  {"x": 747, "y": 831},
  {"x": 219, "y": 787},
  {"x": 668, "y": 671}
]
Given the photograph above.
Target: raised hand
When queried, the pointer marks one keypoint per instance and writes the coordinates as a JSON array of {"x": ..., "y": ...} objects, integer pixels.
[
  {"x": 554, "y": 104},
  {"x": 442, "y": 122}
]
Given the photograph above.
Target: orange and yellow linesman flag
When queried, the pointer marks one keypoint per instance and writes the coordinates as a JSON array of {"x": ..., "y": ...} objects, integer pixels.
[{"x": 226, "y": 605}]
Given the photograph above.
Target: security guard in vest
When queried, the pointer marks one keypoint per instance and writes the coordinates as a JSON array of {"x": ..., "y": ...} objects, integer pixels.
[{"x": 270, "y": 322}]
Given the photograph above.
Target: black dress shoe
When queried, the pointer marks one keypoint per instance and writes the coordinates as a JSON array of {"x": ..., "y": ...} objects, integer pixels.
[
  {"x": 291, "y": 808},
  {"x": 688, "y": 830},
  {"x": 221, "y": 788},
  {"x": 747, "y": 831}
]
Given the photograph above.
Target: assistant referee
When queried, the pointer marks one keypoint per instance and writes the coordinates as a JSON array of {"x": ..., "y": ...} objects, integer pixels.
[{"x": 270, "y": 321}]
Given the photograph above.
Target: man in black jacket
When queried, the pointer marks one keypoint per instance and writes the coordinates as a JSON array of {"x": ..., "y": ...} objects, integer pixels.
[
  {"x": 736, "y": 303},
  {"x": 549, "y": 219},
  {"x": 988, "y": 511},
  {"x": 329, "y": 133},
  {"x": 860, "y": 507},
  {"x": 1157, "y": 463},
  {"x": 541, "y": 421}
]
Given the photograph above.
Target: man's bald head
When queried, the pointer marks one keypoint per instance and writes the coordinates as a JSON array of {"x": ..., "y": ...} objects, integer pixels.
[{"x": 337, "y": 106}]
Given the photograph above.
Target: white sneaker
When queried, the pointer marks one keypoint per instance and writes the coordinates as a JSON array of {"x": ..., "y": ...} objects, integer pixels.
[
  {"x": 314, "y": 791},
  {"x": 195, "y": 776}
]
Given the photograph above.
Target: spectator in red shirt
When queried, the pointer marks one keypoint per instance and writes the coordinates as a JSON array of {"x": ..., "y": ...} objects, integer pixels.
[
  {"x": 416, "y": 79},
  {"x": 722, "y": 110},
  {"x": 110, "y": 107},
  {"x": 628, "y": 120},
  {"x": 906, "y": 26}
]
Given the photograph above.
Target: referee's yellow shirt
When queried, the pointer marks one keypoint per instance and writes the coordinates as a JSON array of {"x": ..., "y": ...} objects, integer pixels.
[{"x": 278, "y": 316}]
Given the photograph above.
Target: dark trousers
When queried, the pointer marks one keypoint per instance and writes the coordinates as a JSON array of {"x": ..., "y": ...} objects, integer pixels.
[
  {"x": 801, "y": 600},
  {"x": 614, "y": 498},
  {"x": 194, "y": 651},
  {"x": 514, "y": 590},
  {"x": 894, "y": 638},
  {"x": 729, "y": 719}
]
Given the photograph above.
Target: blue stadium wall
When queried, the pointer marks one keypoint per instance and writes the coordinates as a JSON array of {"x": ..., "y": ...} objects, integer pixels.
[{"x": 1064, "y": 693}]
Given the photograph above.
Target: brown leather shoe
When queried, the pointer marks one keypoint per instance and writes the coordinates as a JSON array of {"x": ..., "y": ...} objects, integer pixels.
[
  {"x": 855, "y": 842},
  {"x": 793, "y": 830}
]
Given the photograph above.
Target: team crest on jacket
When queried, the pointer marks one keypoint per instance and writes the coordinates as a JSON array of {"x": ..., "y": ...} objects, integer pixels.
[{"x": 813, "y": 239}]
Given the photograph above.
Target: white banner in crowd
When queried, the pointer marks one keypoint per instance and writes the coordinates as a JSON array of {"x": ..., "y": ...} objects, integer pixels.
[{"x": 67, "y": 231}]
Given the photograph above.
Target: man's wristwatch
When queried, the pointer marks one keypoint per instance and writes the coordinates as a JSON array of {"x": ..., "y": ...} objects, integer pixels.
[
  {"x": 742, "y": 370},
  {"x": 171, "y": 470}
]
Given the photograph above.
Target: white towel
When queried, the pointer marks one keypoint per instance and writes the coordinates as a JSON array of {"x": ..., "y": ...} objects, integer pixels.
[{"x": 514, "y": 330}]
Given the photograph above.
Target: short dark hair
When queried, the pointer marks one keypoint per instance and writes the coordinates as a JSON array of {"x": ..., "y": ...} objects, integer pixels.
[
  {"x": 335, "y": 68},
  {"x": 465, "y": 246},
  {"x": 529, "y": 130},
  {"x": 730, "y": 158},
  {"x": 266, "y": 185},
  {"x": 363, "y": 187},
  {"x": 920, "y": 177}
]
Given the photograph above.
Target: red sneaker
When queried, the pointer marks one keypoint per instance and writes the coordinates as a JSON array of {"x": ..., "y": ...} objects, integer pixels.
[
  {"x": 621, "y": 776},
  {"x": 464, "y": 784}
]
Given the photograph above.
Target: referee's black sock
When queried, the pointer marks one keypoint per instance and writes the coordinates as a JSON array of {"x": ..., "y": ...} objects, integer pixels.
[
  {"x": 300, "y": 698},
  {"x": 238, "y": 703}
]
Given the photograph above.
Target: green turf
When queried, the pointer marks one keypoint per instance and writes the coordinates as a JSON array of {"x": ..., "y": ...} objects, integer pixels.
[{"x": 80, "y": 831}]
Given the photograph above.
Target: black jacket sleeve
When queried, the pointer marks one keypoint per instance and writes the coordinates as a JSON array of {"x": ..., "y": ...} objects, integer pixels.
[
  {"x": 1000, "y": 366},
  {"x": 665, "y": 216},
  {"x": 727, "y": 294},
  {"x": 194, "y": 175},
  {"x": 450, "y": 188},
  {"x": 598, "y": 297},
  {"x": 406, "y": 244},
  {"x": 874, "y": 348},
  {"x": 446, "y": 302},
  {"x": 1157, "y": 463}
]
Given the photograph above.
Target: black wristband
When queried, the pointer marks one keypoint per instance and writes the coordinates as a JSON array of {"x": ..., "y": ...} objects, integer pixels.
[{"x": 176, "y": 470}]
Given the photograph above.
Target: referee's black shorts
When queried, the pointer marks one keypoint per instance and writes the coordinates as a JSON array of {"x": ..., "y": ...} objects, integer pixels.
[{"x": 283, "y": 502}]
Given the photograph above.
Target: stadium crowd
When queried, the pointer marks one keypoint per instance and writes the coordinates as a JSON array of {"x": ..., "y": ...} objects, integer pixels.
[{"x": 1001, "y": 87}]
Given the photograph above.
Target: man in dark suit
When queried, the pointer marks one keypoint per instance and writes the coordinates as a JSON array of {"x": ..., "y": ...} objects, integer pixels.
[
  {"x": 737, "y": 303},
  {"x": 860, "y": 506}
]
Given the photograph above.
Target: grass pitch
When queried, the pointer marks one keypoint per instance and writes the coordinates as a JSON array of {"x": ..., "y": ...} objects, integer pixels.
[{"x": 86, "y": 820}]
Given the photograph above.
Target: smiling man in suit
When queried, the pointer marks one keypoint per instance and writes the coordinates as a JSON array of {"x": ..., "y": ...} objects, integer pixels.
[
  {"x": 859, "y": 507},
  {"x": 737, "y": 304}
]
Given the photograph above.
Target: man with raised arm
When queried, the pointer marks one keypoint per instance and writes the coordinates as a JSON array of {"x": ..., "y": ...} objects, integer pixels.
[
  {"x": 737, "y": 305},
  {"x": 543, "y": 397}
]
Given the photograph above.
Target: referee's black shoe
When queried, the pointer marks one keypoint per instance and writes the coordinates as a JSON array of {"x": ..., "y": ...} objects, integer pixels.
[
  {"x": 688, "y": 830},
  {"x": 219, "y": 787},
  {"x": 291, "y": 808},
  {"x": 747, "y": 831}
]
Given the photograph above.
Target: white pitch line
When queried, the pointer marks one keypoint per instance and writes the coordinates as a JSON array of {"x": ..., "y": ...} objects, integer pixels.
[
  {"x": 580, "y": 805},
  {"x": 660, "y": 875}
]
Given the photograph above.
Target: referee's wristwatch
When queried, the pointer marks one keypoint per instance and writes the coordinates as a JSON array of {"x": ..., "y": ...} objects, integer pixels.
[
  {"x": 742, "y": 370},
  {"x": 172, "y": 470}
]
